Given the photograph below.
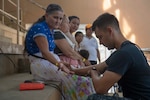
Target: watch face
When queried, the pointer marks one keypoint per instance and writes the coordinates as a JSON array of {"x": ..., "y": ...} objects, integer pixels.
[{"x": 93, "y": 68}]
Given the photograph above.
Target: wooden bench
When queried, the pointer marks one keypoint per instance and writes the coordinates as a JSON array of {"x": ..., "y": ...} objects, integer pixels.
[{"x": 9, "y": 89}]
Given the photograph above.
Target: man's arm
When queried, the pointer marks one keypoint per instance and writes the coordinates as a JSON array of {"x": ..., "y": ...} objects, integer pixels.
[
  {"x": 84, "y": 71},
  {"x": 103, "y": 83}
]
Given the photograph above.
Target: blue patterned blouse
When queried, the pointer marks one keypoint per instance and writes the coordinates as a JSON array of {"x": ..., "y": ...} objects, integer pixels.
[{"x": 39, "y": 29}]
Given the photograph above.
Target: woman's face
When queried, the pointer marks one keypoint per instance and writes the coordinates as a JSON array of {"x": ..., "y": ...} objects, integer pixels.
[
  {"x": 65, "y": 26},
  {"x": 54, "y": 19},
  {"x": 74, "y": 25}
]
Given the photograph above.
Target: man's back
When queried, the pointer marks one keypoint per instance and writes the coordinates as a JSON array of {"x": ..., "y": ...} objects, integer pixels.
[{"x": 131, "y": 63}]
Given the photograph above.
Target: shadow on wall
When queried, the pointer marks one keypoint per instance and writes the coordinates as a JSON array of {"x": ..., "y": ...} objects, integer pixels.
[
  {"x": 132, "y": 23},
  {"x": 108, "y": 5}
]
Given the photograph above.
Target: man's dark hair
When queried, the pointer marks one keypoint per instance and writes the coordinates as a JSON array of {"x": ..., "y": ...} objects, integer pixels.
[{"x": 104, "y": 20}]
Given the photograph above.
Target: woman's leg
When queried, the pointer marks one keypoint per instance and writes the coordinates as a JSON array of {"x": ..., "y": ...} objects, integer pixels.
[{"x": 74, "y": 87}]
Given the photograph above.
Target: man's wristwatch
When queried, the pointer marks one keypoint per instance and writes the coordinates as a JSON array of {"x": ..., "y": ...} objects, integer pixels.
[{"x": 93, "y": 68}]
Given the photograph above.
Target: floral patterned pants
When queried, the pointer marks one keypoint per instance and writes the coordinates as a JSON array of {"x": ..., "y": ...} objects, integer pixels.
[{"x": 74, "y": 87}]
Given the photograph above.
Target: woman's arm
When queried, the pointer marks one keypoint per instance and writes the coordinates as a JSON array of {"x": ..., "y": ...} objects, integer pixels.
[
  {"x": 42, "y": 44},
  {"x": 67, "y": 50},
  {"x": 65, "y": 47}
]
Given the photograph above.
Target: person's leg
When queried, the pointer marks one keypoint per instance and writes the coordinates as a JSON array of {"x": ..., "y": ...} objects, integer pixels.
[
  {"x": 74, "y": 87},
  {"x": 105, "y": 97},
  {"x": 100, "y": 97},
  {"x": 78, "y": 87}
]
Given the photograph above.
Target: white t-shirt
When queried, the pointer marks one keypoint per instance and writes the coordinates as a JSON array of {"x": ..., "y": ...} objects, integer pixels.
[{"x": 91, "y": 45}]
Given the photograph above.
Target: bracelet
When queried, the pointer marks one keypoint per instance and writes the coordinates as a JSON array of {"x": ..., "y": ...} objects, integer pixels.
[
  {"x": 93, "y": 68},
  {"x": 56, "y": 64},
  {"x": 60, "y": 66},
  {"x": 83, "y": 59}
]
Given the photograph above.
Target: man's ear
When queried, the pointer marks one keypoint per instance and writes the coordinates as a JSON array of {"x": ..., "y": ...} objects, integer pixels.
[{"x": 110, "y": 30}]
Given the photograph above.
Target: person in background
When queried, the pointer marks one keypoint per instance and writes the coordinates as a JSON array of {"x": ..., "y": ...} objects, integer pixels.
[
  {"x": 90, "y": 44},
  {"x": 84, "y": 53},
  {"x": 79, "y": 37},
  {"x": 74, "y": 22},
  {"x": 77, "y": 87},
  {"x": 65, "y": 47},
  {"x": 126, "y": 66}
]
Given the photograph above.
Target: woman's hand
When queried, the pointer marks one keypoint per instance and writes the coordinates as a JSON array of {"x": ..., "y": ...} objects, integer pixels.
[
  {"x": 66, "y": 64},
  {"x": 87, "y": 63},
  {"x": 81, "y": 63},
  {"x": 65, "y": 67},
  {"x": 84, "y": 62}
]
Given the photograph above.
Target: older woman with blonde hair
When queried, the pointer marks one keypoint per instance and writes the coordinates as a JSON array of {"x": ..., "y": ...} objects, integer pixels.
[
  {"x": 78, "y": 87},
  {"x": 65, "y": 48}
]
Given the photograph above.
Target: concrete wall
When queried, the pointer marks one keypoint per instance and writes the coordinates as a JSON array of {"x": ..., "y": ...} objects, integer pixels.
[
  {"x": 10, "y": 35},
  {"x": 13, "y": 63},
  {"x": 12, "y": 59}
]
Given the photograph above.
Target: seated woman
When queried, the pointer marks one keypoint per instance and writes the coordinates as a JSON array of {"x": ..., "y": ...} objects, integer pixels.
[
  {"x": 78, "y": 87},
  {"x": 44, "y": 64},
  {"x": 65, "y": 48}
]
